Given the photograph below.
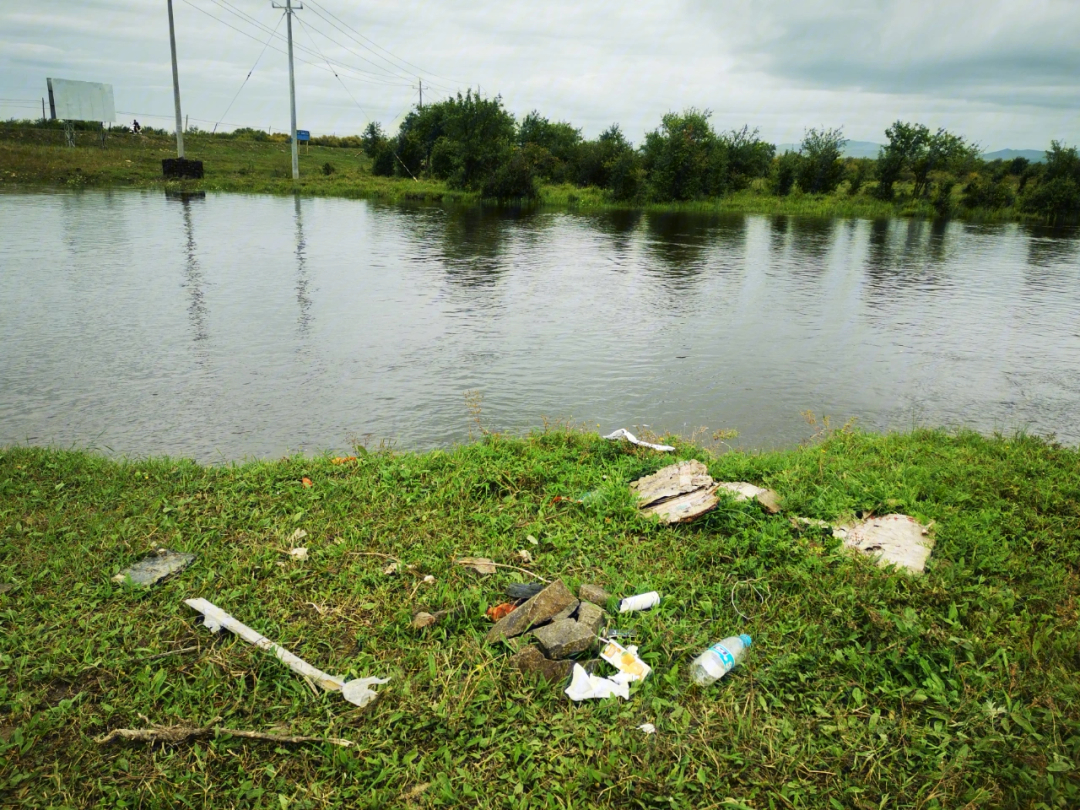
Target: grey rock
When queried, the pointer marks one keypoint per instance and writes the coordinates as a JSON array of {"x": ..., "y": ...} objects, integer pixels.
[
  {"x": 594, "y": 594},
  {"x": 566, "y": 613},
  {"x": 531, "y": 660},
  {"x": 591, "y": 616},
  {"x": 155, "y": 566},
  {"x": 555, "y": 598},
  {"x": 565, "y": 638}
]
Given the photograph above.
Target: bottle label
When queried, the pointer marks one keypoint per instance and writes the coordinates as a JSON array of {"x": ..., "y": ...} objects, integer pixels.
[{"x": 724, "y": 654}]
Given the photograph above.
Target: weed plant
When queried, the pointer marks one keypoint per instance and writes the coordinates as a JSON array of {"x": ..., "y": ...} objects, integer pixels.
[{"x": 865, "y": 687}]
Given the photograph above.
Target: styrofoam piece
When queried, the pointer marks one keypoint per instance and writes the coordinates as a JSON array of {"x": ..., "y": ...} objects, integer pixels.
[
  {"x": 643, "y": 601},
  {"x": 623, "y": 433},
  {"x": 215, "y": 619}
]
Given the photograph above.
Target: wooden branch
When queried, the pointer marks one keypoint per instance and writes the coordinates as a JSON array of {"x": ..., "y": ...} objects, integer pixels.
[{"x": 179, "y": 734}]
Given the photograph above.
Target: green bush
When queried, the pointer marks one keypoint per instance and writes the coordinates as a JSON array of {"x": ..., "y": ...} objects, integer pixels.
[
  {"x": 992, "y": 194},
  {"x": 1056, "y": 194},
  {"x": 514, "y": 179},
  {"x": 785, "y": 172},
  {"x": 683, "y": 159},
  {"x": 821, "y": 170}
]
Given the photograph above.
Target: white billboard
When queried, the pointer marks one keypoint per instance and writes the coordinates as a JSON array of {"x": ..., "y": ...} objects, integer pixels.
[{"x": 81, "y": 101}]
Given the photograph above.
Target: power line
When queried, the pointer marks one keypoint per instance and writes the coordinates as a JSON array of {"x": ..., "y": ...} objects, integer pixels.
[
  {"x": 227, "y": 6},
  {"x": 224, "y": 5},
  {"x": 357, "y": 103},
  {"x": 354, "y": 53},
  {"x": 267, "y": 45},
  {"x": 279, "y": 50},
  {"x": 316, "y": 6}
]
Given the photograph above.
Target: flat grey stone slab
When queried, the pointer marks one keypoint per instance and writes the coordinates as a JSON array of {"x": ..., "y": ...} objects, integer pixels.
[{"x": 155, "y": 566}]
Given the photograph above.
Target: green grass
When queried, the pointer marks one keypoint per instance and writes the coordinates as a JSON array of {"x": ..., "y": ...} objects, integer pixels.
[
  {"x": 865, "y": 688},
  {"x": 34, "y": 158}
]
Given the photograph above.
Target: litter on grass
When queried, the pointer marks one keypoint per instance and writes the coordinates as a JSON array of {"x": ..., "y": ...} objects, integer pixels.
[
  {"x": 523, "y": 590},
  {"x": 481, "y": 565},
  {"x": 625, "y": 659},
  {"x": 623, "y": 433},
  {"x": 891, "y": 539},
  {"x": 299, "y": 553},
  {"x": 496, "y": 612},
  {"x": 682, "y": 492},
  {"x": 356, "y": 691},
  {"x": 584, "y": 686},
  {"x": 648, "y": 728},
  {"x": 745, "y": 492},
  {"x": 155, "y": 566},
  {"x": 643, "y": 601}
]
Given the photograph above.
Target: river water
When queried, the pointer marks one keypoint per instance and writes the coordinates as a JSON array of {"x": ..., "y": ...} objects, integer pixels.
[{"x": 230, "y": 326}]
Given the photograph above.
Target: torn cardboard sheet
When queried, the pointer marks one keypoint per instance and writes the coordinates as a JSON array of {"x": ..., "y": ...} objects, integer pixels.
[
  {"x": 155, "y": 566},
  {"x": 623, "y": 433},
  {"x": 356, "y": 691},
  {"x": 891, "y": 539},
  {"x": 684, "y": 491},
  {"x": 745, "y": 492}
]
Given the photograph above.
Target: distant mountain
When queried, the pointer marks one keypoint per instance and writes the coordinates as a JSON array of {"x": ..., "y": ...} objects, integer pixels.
[
  {"x": 868, "y": 149},
  {"x": 852, "y": 149},
  {"x": 1034, "y": 155}
]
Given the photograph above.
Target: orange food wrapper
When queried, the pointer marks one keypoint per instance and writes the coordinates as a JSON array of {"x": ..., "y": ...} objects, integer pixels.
[{"x": 496, "y": 612}]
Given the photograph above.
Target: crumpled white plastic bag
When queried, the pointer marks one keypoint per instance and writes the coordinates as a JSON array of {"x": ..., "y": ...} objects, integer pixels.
[
  {"x": 584, "y": 686},
  {"x": 359, "y": 690}
]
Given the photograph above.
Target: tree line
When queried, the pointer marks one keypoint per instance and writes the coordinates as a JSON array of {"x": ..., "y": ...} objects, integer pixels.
[{"x": 474, "y": 143}]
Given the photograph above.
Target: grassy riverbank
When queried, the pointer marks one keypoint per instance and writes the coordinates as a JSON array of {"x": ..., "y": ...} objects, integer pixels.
[
  {"x": 865, "y": 688},
  {"x": 37, "y": 158}
]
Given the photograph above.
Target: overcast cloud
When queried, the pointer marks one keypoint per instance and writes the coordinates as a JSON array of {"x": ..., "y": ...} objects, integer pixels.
[{"x": 1002, "y": 73}]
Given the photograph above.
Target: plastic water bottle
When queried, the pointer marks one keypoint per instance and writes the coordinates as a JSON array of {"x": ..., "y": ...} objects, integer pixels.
[{"x": 719, "y": 659}]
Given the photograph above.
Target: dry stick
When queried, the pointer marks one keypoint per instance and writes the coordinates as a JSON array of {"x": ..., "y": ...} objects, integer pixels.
[
  {"x": 181, "y": 651},
  {"x": 522, "y": 570},
  {"x": 179, "y": 734},
  {"x": 375, "y": 554}
]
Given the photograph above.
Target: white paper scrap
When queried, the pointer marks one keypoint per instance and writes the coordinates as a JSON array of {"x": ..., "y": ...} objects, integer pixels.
[{"x": 648, "y": 728}]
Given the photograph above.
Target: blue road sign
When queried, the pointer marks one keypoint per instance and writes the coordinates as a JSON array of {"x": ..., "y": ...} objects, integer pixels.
[{"x": 302, "y": 135}]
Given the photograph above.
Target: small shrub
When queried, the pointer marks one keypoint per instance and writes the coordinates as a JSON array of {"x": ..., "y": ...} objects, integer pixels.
[
  {"x": 785, "y": 172},
  {"x": 328, "y": 168}
]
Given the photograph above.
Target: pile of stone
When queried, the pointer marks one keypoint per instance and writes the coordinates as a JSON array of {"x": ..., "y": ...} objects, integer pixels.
[{"x": 561, "y": 626}]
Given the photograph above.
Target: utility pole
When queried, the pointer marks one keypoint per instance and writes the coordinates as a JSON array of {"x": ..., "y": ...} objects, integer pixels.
[
  {"x": 289, "y": 11},
  {"x": 421, "y": 94},
  {"x": 176, "y": 87}
]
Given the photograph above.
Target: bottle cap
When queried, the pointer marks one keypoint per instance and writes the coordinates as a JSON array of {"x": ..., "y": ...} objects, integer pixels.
[{"x": 745, "y": 639}]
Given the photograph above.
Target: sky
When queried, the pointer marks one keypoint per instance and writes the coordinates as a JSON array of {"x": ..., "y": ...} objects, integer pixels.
[{"x": 1003, "y": 74}]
